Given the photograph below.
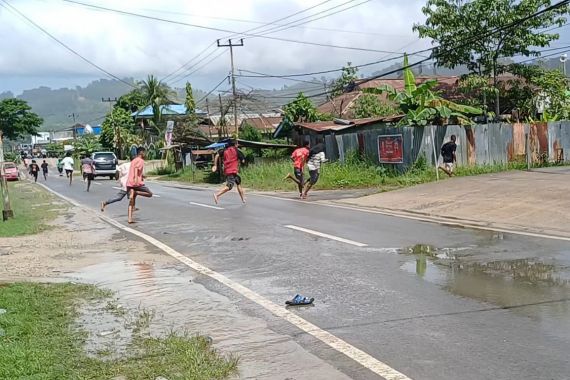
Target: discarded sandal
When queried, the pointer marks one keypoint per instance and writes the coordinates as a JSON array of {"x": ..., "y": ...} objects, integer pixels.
[{"x": 299, "y": 300}]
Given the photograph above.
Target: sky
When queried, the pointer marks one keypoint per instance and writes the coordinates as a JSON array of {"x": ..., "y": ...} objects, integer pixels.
[{"x": 128, "y": 46}]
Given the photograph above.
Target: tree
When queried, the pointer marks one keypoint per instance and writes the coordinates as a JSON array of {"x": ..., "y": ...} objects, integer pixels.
[
  {"x": 87, "y": 144},
  {"x": 301, "y": 109},
  {"x": 472, "y": 33},
  {"x": 421, "y": 104},
  {"x": 132, "y": 101},
  {"x": 189, "y": 101},
  {"x": 118, "y": 131},
  {"x": 156, "y": 94},
  {"x": 368, "y": 105},
  {"x": 250, "y": 133},
  {"x": 348, "y": 76}
]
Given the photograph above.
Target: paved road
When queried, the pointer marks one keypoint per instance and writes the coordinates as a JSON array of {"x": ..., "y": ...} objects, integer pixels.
[{"x": 463, "y": 305}]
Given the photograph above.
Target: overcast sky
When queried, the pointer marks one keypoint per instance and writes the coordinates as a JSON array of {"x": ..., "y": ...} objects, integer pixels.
[{"x": 128, "y": 46}]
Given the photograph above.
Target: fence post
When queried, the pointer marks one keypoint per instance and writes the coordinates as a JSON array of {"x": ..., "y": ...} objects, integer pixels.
[
  {"x": 527, "y": 149},
  {"x": 434, "y": 152}
]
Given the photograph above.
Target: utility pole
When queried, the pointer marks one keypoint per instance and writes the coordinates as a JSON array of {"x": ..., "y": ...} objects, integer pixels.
[
  {"x": 7, "y": 210},
  {"x": 117, "y": 129},
  {"x": 223, "y": 131},
  {"x": 73, "y": 116},
  {"x": 231, "y": 45},
  {"x": 209, "y": 121}
]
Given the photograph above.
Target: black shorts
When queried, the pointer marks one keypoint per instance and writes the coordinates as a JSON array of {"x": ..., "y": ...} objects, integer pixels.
[
  {"x": 299, "y": 174},
  {"x": 89, "y": 176},
  {"x": 314, "y": 176},
  {"x": 142, "y": 189},
  {"x": 68, "y": 171},
  {"x": 233, "y": 179}
]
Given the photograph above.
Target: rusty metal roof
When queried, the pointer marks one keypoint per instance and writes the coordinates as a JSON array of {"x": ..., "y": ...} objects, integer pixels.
[{"x": 325, "y": 126}]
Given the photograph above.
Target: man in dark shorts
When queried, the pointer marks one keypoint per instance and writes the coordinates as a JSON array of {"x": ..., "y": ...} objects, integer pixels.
[
  {"x": 45, "y": 169},
  {"x": 299, "y": 158},
  {"x": 68, "y": 166},
  {"x": 448, "y": 155},
  {"x": 87, "y": 170},
  {"x": 135, "y": 182},
  {"x": 316, "y": 158},
  {"x": 34, "y": 170},
  {"x": 231, "y": 158}
]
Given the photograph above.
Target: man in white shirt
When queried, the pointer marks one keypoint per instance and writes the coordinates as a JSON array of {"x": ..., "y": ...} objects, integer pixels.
[
  {"x": 123, "y": 170},
  {"x": 68, "y": 165}
]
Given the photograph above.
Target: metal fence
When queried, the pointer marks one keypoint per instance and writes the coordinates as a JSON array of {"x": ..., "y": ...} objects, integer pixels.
[{"x": 481, "y": 144}]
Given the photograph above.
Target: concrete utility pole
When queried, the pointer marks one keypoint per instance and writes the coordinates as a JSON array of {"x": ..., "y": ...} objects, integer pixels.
[
  {"x": 231, "y": 45},
  {"x": 209, "y": 121},
  {"x": 7, "y": 210},
  {"x": 73, "y": 116},
  {"x": 117, "y": 129}
]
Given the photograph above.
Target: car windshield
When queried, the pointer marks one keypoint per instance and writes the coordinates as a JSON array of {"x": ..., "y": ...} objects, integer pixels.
[
  {"x": 104, "y": 156},
  {"x": 9, "y": 166}
]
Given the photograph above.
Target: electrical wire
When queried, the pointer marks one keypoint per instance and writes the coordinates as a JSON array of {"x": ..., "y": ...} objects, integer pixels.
[
  {"x": 212, "y": 90},
  {"x": 184, "y": 76},
  {"x": 63, "y": 44}
]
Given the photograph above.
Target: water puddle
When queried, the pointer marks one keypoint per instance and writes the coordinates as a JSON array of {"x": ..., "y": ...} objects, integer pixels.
[{"x": 534, "y": 287}]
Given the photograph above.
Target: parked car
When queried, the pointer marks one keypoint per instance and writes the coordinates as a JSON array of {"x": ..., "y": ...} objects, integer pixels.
[
  {"x": 11, "y": 171},
  {"x": 105, "y": 164}
]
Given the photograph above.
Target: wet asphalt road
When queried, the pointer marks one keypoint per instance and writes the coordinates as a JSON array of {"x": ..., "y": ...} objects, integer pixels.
[{"x": 464, "y": 305}]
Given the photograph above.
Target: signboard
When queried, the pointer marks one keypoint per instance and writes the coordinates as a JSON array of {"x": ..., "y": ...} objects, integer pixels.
[
  {"x": 168, "y": 132},
  {"x": 391, "y": 149}
]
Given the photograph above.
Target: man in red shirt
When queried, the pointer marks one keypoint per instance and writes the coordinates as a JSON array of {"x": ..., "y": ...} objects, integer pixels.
[
  {"x": 299, "y": 157},
  {"x": 232, "y": 158},
  {"x": 135, "y": 182}
]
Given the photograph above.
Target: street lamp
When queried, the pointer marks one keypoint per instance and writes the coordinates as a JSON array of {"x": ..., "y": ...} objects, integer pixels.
[{"x": 563, "y": 59}]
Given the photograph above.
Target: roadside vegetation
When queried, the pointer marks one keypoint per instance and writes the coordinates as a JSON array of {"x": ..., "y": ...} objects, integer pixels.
[
  {"x": 40, "y": 338},
  {"x": 33, "y": 209}
]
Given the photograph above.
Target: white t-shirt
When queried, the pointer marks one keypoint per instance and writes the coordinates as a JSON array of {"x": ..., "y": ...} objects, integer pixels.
[
  {"x": 316, "y": 160},
  {"x": 67, "y": 163},
  {"x": 123, "y": 170}
]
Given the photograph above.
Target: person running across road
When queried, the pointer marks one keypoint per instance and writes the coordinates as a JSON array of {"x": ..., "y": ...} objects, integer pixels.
[
  {"x": 135, "y": 182},
  {"x": 448, "y": 154},
  {"x": 59, "y": 166},
  {"x": 316, "y": 158},
  {"x": 123, "y": 170},
  {"x": 231, "y": 158},
  {"x": 34, "y": 170},
  {"x": 299, "y": 158},
  {"x": 68, "y": 164},
  {"x": 87, "y": 170},
  {"x": 45, "y": 169}
]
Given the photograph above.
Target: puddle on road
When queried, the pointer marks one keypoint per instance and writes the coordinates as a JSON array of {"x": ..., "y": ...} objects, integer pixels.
[
  {"x": 536, "y": 288},
  {"x": 179, "y": 303}
]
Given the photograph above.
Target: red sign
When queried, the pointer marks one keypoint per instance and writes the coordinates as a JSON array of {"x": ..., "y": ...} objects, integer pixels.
[{"x": 391, "y": 149}]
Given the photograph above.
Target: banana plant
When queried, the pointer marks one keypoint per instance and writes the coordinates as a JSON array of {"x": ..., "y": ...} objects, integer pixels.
[{"x": 421, "y": 104}]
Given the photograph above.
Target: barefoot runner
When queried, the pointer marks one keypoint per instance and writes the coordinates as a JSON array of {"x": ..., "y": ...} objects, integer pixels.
[
  {"x": 448, "y": 154},
  {"x": 45, "y": 169},
  {"x": 34, "y": 170},
  {"x": 316, "y": 158},
  {"x": 87, "y": 170},
  {"x": 232, "y": 158},
  {"x": 123, "y": 170},
  {"x": 135, "y": 182},
  {"x": 299, "y": 157},
  {"x": 67, "y": 163}
]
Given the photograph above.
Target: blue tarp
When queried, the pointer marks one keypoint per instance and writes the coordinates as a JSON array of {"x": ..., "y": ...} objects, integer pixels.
[{"x": 217, "y": 145}]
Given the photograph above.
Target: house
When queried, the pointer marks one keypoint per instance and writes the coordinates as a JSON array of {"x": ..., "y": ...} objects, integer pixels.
[
  {"x": 167, "y": 110},
  {"x": 266, "y": 123}
]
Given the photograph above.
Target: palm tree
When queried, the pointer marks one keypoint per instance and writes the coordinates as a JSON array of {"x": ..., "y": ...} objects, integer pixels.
[{"x": 156, "y": 94}]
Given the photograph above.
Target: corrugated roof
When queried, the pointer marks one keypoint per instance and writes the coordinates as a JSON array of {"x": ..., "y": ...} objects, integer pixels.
[
  {"x": 325, "y": 126},
  {"x": 166, "y": 110},
  {"x": 262, "y": 123}
]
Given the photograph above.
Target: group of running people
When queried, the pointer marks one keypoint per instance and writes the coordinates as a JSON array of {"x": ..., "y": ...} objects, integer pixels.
[
  {"x": 34, "y": 169},
  {"x": 313, "y": 159}
]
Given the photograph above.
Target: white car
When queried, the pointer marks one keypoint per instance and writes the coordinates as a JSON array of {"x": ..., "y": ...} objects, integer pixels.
[{"x": 105, "y": 164}]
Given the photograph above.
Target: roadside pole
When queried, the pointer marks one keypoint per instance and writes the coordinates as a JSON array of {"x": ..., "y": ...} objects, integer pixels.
[
  {"x": 7, "y": 211},
  {"x": 527, "y": 149},
  {"x": 434, "y": 153},
  {"x": 117, "y": 129},
  {"x": 231, "y": 45}
]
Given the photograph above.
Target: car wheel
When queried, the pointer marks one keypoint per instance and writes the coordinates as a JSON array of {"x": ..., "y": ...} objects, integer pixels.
[{"x": 111, "y": 177}]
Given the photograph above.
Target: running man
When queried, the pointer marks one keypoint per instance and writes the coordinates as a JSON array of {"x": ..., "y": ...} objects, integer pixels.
[
  {"x": 232, "y": 158},
  {"x": 45, "y": 169},
  {"x": 59, "y": 166},
  {"x": 316, "y": 158},
  {"x": 299, "y": 158},
  {"x": 135, "y": 182},
  {"x": 87, "y": 170},
  {"x": 34, "y": 170},
  {"x": 68, "y": 164},
  {"x": 123, "y": 170},
  {"x": 448, "y": 154}
]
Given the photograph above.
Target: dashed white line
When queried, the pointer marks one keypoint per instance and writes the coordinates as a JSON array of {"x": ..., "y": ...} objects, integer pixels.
[
  {"x": 97, "y": 183},
  {"x": 326, "y": 236},
  {"x": 207, "y": 206},
  {"x": 117, "y": 188},
  {"x": 361, "y": 357}
]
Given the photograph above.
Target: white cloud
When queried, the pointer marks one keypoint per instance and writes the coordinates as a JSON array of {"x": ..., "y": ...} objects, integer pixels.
[{"x": 129, "y": 46}]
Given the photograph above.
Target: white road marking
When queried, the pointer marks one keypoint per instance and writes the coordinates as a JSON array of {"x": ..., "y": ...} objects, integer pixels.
[
  {"x": 156, "y": 196},
  {"x": 97, "y": 183},
  {"x": 207, "y": 206},
  {"x": 117, "y": 188},
  {"x": 361, "y": 357},
  {"x": 326, "y": 236}
]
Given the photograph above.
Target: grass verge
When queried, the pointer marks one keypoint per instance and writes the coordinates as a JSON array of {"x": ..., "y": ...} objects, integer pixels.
[
  {"x": 33, "y": 208},
  {"x": 353, "y": 174},
  {"x": 40, "y": 340}
]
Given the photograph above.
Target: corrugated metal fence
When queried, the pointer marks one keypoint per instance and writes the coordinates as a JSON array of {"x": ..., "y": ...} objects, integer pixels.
[{"x": 482, "y": 144}]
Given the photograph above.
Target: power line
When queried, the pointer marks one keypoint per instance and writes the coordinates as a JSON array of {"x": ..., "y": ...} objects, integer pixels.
[
  {"x": 187, "y": 65},
  {"x": 247, "y": 34},
  {"x": 184, "y": 76},
  {"x": 212, "y": 90},
  {"x": 11, "y": 7}
]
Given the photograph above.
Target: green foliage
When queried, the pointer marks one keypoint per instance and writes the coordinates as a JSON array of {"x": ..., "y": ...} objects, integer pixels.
[
  {"x": 368, "y": 105},
  {"x": 421, "y": 104},
  {"x": 348, "y": 77},
  {"x": 12, "y": 157},
  {"x": 189, "y": 101},
  {"x": 17, "y": 120},
  {"x": 461, "y": 31},
  {"x": 301, "y": 110},
  {"x": 156, "y": 94},
  {"x": 250, "y": 133},
  {"x": 55, "y": 149},
  {"x": 118, "y": 129},
  {"x": 132, "y": 102},
  {"x": 87, "y": 144}
]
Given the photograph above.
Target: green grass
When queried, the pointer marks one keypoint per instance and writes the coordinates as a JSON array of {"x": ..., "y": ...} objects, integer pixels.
[
  {"x": 353, "y": 174},
  {"x": 39, "y": 340},
  {"x": 33, "y": 208}
]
